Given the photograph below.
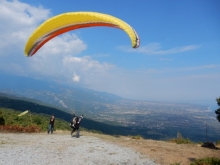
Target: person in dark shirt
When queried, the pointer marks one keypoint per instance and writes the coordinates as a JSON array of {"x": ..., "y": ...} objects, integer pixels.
[
  {"x": 74, "y": 124},
  {"x": 51, "y": 124}
]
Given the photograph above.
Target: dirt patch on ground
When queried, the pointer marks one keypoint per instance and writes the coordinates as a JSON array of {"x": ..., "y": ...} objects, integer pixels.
[{"x": 162, "y": 152}]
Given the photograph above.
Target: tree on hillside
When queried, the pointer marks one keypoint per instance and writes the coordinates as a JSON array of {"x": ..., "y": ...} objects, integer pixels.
[
  {"x": 218, "y": 110},
  {"x": 2, "y": 120}
]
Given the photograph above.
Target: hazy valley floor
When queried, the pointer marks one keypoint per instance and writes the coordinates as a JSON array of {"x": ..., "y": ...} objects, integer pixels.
[{"x": 56, "y": 149}]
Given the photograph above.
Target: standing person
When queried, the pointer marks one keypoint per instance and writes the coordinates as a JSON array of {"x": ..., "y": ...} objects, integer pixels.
[
  {"x": 74, "y": 124},
  {"x": 51, "y": 124}
]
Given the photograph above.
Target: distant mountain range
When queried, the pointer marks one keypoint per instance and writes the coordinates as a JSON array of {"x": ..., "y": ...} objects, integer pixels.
[{"x": 69, "y": 98}]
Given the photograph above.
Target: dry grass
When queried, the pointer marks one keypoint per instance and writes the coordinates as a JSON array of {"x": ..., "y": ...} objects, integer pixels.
[
  {"x": 18, "y": 128},
  {"x": 162, "y": 152}
]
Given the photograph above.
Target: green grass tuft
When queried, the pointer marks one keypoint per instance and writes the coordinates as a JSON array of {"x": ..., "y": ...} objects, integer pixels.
[
  {"x": 137, "y": 137},
  {"x": 206, "y": 161},
  {"x": 181, "y": 141}
]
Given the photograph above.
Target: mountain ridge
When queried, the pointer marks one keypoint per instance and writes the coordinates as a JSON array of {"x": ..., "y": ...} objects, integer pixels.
[{"x": 61, "y": 96}]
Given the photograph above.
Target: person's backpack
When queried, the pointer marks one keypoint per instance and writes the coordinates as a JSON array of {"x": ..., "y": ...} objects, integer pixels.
[{"x": 77, "y": 120}]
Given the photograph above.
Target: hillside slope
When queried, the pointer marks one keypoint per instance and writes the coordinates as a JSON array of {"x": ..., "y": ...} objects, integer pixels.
[{"x": 21, "y": 105}]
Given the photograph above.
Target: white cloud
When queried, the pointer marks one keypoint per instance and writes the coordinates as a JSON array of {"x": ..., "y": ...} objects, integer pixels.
[
  {"x": 86, "y": 63},
  {"x": 90, "y": 70},
  {"x": 22, "y": 14},
  {"x": 18, "y": 20},
  {"x": 75, "y": 78},
  {"x": 155, "y": 49}
]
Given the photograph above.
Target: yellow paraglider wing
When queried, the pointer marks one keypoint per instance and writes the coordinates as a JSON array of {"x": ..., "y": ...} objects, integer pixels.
[
  {"x": 23, "y": 113},
  {"x": 74, "y": 20}
]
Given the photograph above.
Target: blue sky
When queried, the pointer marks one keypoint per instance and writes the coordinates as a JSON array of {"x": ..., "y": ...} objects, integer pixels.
[{"x": 177, "y": 61}]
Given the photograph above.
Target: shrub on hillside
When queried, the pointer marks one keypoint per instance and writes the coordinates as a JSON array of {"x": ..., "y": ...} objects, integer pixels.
[
  {"x": 19, "y": 128},
  {"x": 200, "y": 142},
  {"x": 209, "y": 145},
  {"x": 206, "y": 161},
  {"x": 137, "y": 137},
  {"x": 40, "y": 120},
  {"x": 181, "y": 141},
  {"x": 2, "y": 120}
]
